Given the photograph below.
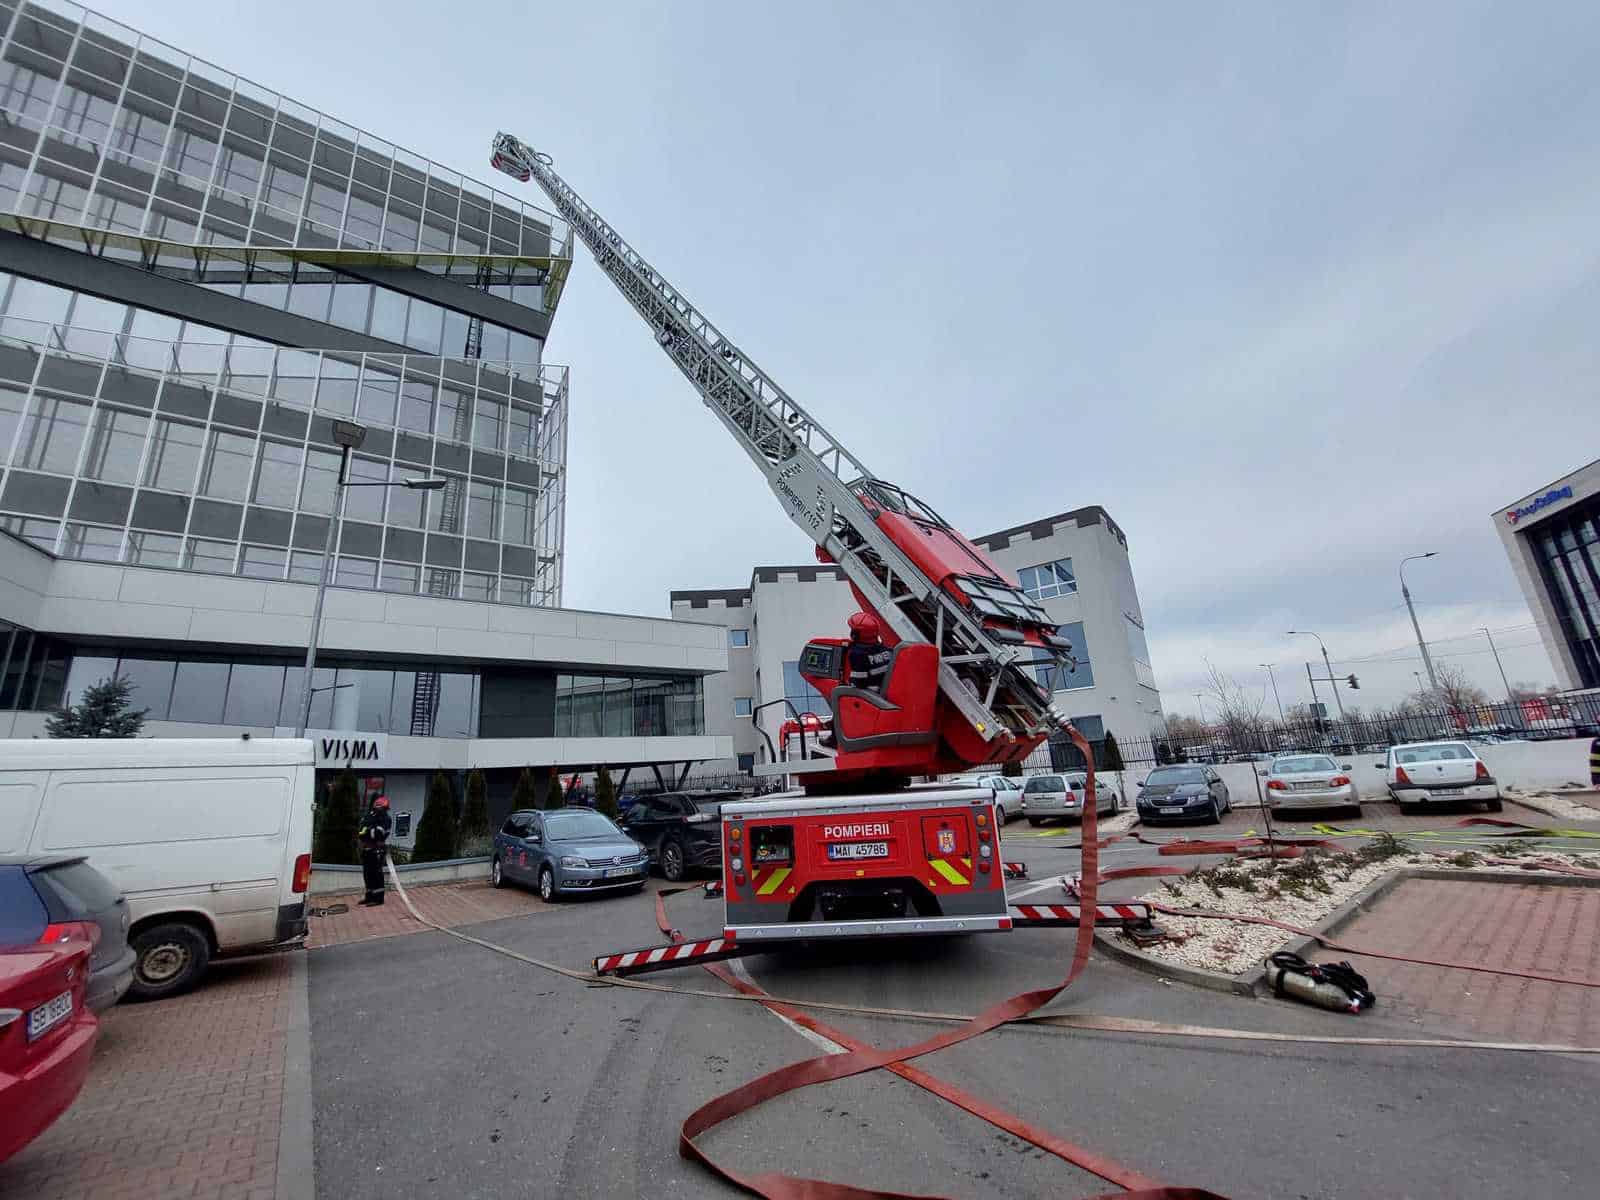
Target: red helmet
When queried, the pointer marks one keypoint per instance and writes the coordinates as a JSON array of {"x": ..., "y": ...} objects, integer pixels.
[
  {"x": 381, "y": 802},
  {"x": 864, "y": 627}
]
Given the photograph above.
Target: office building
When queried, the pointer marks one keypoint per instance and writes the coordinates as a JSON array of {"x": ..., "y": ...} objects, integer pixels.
[
  {"x": 1552, "y": 538},
  {"x": 198, "y": 278},
  {"x": 1074, "y": 564}
]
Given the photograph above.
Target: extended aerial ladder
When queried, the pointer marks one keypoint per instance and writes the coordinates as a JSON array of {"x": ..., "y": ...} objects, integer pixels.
[{"x": 928, "y": 585}]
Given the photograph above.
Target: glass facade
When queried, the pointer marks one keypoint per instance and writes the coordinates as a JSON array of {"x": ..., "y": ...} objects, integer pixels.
[
  {"x": 129, "y": 435},
  {"x": 33, "y": 669},
  {"x": 1048, "y": 580},
  {"x": 216, "y": 455},
  {"x": 624, "y": 706},
  {"x": 115, "y": 132},
  {"x": 416, "y": 699},
  {"x": 1567, "y": 546},
  {"x": 1082, "y": 676}
]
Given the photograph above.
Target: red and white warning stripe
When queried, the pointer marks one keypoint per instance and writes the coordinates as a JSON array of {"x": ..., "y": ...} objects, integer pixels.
[
  {"x": 1070, "y": 914},
  {"x": 661, "y": 954}
]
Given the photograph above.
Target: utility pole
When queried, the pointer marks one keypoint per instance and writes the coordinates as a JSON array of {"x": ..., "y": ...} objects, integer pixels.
[
  {"x": 1312, "y": 680},
  {"x": 1510, "y": 699},
  {"x": 1275, "y": 695},
  {"x": 1405, "y": 593}
]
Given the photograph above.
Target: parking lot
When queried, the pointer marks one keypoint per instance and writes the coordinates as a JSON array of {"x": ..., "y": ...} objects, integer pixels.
[{"x": 435, "y": 1063}]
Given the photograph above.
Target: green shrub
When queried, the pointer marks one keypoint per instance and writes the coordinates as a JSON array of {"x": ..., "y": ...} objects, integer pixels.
[
  {"x": 554, "y": 797},
  {"x": 605, "y": 794},
  {"x": 437, "y": 832},
  {"x": 335, "y": 839}
]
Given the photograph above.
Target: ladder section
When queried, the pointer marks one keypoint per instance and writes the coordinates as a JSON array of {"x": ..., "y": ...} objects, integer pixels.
[{"x": 813, "y": 475}]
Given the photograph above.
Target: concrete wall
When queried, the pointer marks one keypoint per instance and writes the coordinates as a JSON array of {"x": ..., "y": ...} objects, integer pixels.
[
  {"x": 1527, "y": 766},
  {"x": 1105, "y": 600},
  {"x": 789, "y": 612},
  {"x": 129, "y": 605},
  {"x": 455, "y": 754},
  {"x": 729, "y": 611}
]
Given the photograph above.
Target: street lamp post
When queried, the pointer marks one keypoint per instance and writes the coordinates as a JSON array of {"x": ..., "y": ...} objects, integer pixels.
[
  {"x": 1332, "y": 683},
  {"x": 1405, "y": 592},
  {"x": 1275, "y": 695},
  {"x": 348, "y": 435}
]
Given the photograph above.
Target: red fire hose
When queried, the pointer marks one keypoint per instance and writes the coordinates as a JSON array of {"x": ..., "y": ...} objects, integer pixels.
[{"x": 859, "y": 1058}]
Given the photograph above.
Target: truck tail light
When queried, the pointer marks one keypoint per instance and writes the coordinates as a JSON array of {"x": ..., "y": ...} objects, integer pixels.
[
  {"x": 1400, "y": 776},
  {"x": 1483, "y": 770},
  {"x": 302, "y": 874},
  {"x": 66, "y": 931},
  {"x": 1277, "y": 785}
]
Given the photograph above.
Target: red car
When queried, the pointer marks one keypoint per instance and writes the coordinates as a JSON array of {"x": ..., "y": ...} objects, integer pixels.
[{"x": 47, "y": 1035}]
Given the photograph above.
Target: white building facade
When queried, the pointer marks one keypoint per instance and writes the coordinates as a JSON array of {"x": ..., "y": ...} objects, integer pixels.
[{"x": 1075, "y": 564}]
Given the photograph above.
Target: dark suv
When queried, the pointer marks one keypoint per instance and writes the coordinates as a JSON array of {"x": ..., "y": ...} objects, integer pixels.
[
  {"x": 681, "y": 830},
  {"x": 53, "y": 897}
]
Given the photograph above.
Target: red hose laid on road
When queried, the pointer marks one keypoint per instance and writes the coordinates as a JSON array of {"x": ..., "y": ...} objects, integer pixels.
[{"x": 860, "y": 1058}]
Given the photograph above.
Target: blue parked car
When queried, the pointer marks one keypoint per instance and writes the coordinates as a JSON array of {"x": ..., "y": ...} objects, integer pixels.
[{"x": 566, "y": 851}]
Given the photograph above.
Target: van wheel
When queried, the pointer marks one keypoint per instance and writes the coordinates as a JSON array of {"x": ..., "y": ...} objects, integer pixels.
[
  {"x": 548, "y": 892},
  {"x": 1494, "y": 805},
  {"x": 171, "y": 959}
]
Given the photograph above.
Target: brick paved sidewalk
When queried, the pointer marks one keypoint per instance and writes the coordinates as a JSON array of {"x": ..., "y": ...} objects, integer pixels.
[
  {"x": 183, "y": 1100},
  {"x": 449, "y": 904},
  {"x": 1522, "y": 925}
]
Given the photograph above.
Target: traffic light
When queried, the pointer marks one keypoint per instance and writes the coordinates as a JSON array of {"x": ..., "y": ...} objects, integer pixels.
[{"x": 1354, "y": 686}]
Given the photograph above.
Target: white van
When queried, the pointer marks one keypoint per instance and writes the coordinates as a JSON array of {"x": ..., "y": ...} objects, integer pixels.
[{"x": 208, "y": 838}]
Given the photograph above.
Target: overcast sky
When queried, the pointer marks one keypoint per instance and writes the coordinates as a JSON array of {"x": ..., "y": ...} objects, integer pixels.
[{"x": 1291, "y": 290}]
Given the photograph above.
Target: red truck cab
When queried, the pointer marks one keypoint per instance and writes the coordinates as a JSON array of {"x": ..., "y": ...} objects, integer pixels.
[{"x": 924, "y": 860}]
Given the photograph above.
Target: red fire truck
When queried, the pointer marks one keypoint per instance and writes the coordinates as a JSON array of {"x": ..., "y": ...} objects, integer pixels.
[{"x": 857, "y": 850}]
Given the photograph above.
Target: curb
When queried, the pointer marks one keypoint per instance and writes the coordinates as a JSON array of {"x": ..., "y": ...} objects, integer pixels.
[
  {"x": 296, "y": 1177},
  {"x": 1527, "y": 801},
  {"x": 1253, "y": 982},
  {"x": 1213, "y": 981}
]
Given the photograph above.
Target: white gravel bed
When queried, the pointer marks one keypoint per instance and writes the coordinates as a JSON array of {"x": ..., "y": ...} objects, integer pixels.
[
  {"x": 1555, "y": 804},
  {"x": 1233, "y": 948}
]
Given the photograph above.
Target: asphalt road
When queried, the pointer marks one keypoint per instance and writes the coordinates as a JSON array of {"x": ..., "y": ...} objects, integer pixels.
[{"x": 440, "y": 1066}]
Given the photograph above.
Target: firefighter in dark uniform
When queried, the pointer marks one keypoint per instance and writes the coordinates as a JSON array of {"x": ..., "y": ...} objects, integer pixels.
[
  {"x": 869, "y": 657},
  {"x": 1594, "y": 763},
  {"x": 374, "y": 838}
]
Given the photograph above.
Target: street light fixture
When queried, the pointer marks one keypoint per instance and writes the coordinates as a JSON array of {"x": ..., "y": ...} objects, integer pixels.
[
  {"x": 1329, "y": 666},
  {"x": 348, "y": 436},
  {"x": 1275, "y": 695},
  {"x": 1405, "y": 593}
]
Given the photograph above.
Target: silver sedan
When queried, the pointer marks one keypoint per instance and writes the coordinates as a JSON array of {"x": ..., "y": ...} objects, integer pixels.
[{"x": 1310, "y": 781}]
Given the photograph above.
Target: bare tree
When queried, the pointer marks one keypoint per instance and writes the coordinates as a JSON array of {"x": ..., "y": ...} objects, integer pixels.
[
  {"x": 1239, "y": 710},
  {"x": 1455, "y": 694}
]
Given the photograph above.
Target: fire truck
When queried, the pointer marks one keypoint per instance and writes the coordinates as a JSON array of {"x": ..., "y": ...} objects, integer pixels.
[{"x": 856, "y": 849}]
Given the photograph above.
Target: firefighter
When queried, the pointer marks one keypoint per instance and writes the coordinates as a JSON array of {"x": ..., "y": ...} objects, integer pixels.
[
  {"x": 374, "y": 837},
  {"x": 1594, "y": 763},
  {"x": 869, "y": 657}
]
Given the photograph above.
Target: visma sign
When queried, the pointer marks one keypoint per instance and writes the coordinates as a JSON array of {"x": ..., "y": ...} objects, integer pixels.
[
  {"x": 1513, "y": 515},
  {"x": 337, "y": 750}
]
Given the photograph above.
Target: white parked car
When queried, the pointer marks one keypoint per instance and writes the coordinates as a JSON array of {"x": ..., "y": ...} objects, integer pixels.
[
  {"x": 1063, "y": 793},
  {"x": 1310, "y": 781},
  {"x": 1007, "y": 792},
  {"x": 1438, "y": 773}
]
